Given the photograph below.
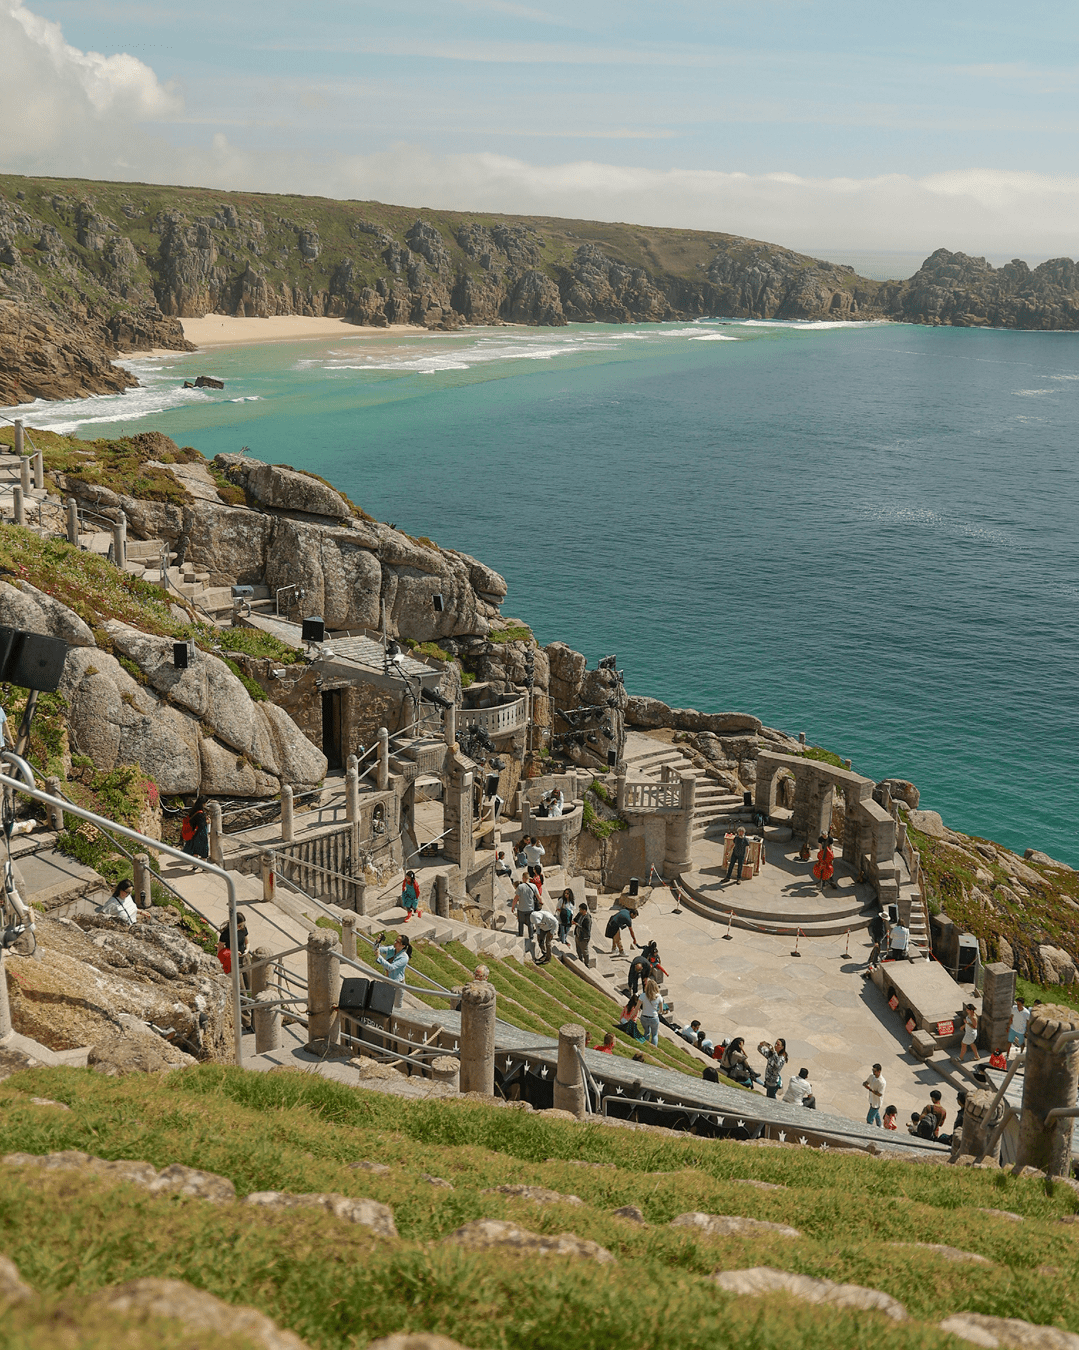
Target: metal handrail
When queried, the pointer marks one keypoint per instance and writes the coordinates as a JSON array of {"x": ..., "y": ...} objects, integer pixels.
[{"x": 26, "y": 784}]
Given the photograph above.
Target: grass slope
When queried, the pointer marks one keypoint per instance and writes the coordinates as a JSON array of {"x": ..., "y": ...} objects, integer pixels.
[{"x": 339, "y": 1286}]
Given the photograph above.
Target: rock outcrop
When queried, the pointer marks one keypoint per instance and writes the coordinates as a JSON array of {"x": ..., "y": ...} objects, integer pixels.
[{"x": 78, "y": 283}]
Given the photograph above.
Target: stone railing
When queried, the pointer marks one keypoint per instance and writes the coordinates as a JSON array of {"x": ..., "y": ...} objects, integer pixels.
[
  {"x": 499, "y": 721},
  {"x": 649, "y": 796}
]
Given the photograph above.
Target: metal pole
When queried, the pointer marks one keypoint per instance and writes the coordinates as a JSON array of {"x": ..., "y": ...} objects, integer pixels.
[{"x": 27, "y": 785}]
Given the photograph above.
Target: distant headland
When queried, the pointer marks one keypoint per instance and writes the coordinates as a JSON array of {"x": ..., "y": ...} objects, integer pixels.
[{"x": 91, "y": 270}]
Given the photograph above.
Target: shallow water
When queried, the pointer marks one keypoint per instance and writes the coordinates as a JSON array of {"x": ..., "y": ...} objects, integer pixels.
[{"x": 864, "y": 532}]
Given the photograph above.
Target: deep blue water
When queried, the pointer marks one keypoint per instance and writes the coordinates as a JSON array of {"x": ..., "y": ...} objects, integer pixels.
[{"x": 865, "y": 533}]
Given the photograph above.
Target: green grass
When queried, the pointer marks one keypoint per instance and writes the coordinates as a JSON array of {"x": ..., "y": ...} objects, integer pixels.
[
  {"x": 337, "y": 1285},
  {"x": 598, "y": 826},
  {"x": 824, "y": 756},
  {"x": 515, "y": 633},
  {"x": 1047, "y": 993}
]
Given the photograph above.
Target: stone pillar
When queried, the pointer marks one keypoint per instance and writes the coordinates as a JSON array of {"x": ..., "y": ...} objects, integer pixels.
[
  {"x": 266, "y": 871},
  {"x": 18, "y": 436},
  {"x": 458, "y": 816},
  {"x": 260, "y": 974},
  {"x": 24, "y": 476},
  {"x": 17, "y": 505},
  {"x": 348, "y": 936},
  {"x": 72, "y": 520},
  {"x": 450, "y": 726},
  {"x": 999, "y": 992},
  {"x": 442, "y": 896},
  {"x": 383, "y": 778},
  {"x": 39, "y": 470},
  {"x": 569, "y": 1088},
  {"x": 267, "y": 1022},
  {"x": 978, "y": 1126},
  {"x": 5, "y": 1007},
  {"x": 1050, "y": 1081},
  {"x": 620, "y": 789},
  {"x": 359, "y": 890},
  {"x": 352, "y": 796},
  {"x": 120, "y": 541},
  {"x": 478, "y": 1039},
  {"x": 56, "y": 813},
  {"x": 446, "y": 1070},
  {"x": 323, "y": 983},
  {"x": 353, "y": 762},
  {"x": 679, "y": 829},
  {"x": 286, "y": 814},
  {"x": 213, "y": 812},
  {"x": 140, "y": 880}
]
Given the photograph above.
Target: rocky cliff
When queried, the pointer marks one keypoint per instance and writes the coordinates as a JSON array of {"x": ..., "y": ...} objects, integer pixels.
[{"x": 91, "y": 269}]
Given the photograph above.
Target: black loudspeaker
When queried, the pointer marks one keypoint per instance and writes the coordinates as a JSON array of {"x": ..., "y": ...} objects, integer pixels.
[
  {"x": 894, "y": 914},
  {"x": 612, "y": 759},
  {"x": 437, "y": 603},
  {"x": 31, "y": 660},
  {"x": 312, "y": 630},
  {"x": 634, "y": 884},
  {"x": 382, "y": 996},
  {"x": 747, "y": 799},
  {"x": 491, "y": 785},
  {"x": 966, "y": 958},
  {"x": 354, "y": 993},
  {"x": 180, "y": 655}
]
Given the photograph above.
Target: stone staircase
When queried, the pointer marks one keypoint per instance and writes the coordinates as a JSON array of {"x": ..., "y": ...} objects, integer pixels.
[{"x": 716, "y": 811}]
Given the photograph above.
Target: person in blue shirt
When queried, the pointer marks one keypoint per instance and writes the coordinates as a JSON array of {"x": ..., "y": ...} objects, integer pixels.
[{"x": 395, "y": 959}]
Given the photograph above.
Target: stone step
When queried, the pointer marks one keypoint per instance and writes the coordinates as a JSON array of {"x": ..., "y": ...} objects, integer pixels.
[{"x": 55, "y": 883}]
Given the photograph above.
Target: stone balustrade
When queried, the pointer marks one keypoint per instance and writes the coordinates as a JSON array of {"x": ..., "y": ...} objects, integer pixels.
[{"x": 502, "y": 720}]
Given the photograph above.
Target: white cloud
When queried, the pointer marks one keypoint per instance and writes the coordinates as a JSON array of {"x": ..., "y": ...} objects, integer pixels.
[{"x": 67, "y": 112}]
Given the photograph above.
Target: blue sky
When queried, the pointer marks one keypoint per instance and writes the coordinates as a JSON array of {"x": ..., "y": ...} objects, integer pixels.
[{"x": 815, "y": 124}]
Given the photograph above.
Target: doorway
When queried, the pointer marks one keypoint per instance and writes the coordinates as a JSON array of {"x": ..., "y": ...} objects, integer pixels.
[{"x": 331, "y": 728}]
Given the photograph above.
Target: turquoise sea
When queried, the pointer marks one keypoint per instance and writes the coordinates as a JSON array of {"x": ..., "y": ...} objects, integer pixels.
[{"x": 867, "y": 533}]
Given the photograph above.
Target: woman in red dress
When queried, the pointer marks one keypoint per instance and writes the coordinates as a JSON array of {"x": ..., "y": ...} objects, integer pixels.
[{"x": 823, "y": 868}]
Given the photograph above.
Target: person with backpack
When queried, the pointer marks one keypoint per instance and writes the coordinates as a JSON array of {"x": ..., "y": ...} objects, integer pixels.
[
  {"x": 565, "y": 913},
  {"x": 195, "y": 830},
  {"x": 410, "y": 896},
  {"x": 583, "y": 932}
]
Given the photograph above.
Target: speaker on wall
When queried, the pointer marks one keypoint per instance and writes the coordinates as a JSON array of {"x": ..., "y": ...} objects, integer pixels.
[
  {"x": 312, "y": 630},
  {"x": 180, "y": 655}
]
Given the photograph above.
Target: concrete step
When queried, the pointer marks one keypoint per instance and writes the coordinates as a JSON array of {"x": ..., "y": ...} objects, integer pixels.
[{"x": 56, "y": 884}]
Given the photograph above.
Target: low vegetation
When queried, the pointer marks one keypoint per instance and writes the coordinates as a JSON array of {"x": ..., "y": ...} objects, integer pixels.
[
  {"x": 824, "y": 756},
  {"x": 515, "y": 633},
  {"x": 338, "y": 1286}
]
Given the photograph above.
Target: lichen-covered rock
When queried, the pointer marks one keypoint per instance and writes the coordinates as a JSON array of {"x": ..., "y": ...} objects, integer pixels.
[
  {"x": 115, "y": 1056},
  {"x": 196, "y": 1310},
  {"x": 415, "y": 1340},
  {"x": 370, "y": 1213},
  {"x": 538, "y": 1194},
  {"x": 763, "y": 1280},
  {"x": 13, "y": 1289},
  {"x": 732, "y": 1225},
  {"x": 1007, "y": 1333},
  {"x": 903, "y": 791},
  {"x": 485, "y": 1234},
  {"x": 190, "y": 1181},
  {"x": 24, "y": 606},
  {"x": 928, "y": 822},
  {"x": 947, "y": 1253}
]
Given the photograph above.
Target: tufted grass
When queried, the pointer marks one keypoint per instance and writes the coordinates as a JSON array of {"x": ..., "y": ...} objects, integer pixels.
[{"x": 337, "y": 1285}]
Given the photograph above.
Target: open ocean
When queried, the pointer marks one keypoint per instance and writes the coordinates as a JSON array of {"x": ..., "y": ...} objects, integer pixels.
[{"x": 864, "y": 532}]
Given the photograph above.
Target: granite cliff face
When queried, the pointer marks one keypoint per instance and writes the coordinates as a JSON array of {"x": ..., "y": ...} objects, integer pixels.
[{"x": 91, "y": 269}]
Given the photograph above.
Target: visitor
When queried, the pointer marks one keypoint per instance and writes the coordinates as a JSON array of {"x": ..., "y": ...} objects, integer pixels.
[
  {"x": 502, "y": 868},
  {"x": 520, "y": 860},
  {"x": 410, "y": 896},
  {"x": 640, "y": 971},
  {"x": 622, "y": 918},
  {"x": 877, "y": 938},
  {"x": 800, "y": 1089},
  {"x": 923, "y": 1124},
  {"x": 526, "y": 899},
  {"x": 875, "y": 1086},
  {"x": 705, "y": 1045},
  {"x": 544, "y": 926},
  {"x": 652, "y": 952},
  {"x": 775, "y": 1059},
  {"x": 394, "y": 958},
  {"x": 958, "y": 1122},
  {"x": 999, "y": 1059},
  {"x": 1018, "y": 1025},
  {"x": 582, "y": 932},
  {"x": 734, "y": 1063},
  {"x": 608, "y": 1047},
  {"x": 481, "y": 975},
  {"x": 555, "y": 802},
  {"x": 651, "y": 1007},
  {"x": 740, "y": 847},
  {"x": 823, "y": 868},
  {"x": 534, "y": 851},
  {"x": 940, "y": 1114},
  {"x": 899, "y": 937},
  {"x": 120, "y": 905},
  {"x": 565, "y": 913},
  {"x": 971, "y": 1033},
  {"x": 690, "y": 1033},
  {"x": 628, "y": 1018},
  {"x": 195, "y": 831},
  {"x": 889, "y": 1121},
  {"x": 536, "y": 876}
]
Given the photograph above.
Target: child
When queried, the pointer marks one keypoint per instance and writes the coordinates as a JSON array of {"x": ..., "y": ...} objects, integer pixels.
[
  {"x": 998, "y": 1060},
  {"x": 889, "y": 1123}
]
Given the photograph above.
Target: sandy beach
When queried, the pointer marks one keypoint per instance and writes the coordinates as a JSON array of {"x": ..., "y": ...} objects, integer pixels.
[{"x": 225, "y": 330}]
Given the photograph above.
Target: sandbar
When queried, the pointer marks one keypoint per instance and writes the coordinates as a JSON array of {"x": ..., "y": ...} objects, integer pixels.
[{"x": 226, "y": 330}]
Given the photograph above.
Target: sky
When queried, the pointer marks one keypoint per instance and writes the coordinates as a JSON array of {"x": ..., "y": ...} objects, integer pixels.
[{"x": 824, "y": 125}]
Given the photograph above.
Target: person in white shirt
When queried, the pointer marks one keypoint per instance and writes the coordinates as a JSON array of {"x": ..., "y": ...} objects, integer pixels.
[
  {"x": 544, "y": 926},
  {"x": 652, "y": 1005},
  {"x": 898, "y": 942},
  {"x": 1021, "y": 1016},
  {"x": 875, "y": 1086},
  {"x": 555, "y": 802},
  {"x": 690, "y": 1033},
  {"x": 800, "y": 1089},
  {"x": 120, "y": 904},
  {"x": 534, "y": 851}
]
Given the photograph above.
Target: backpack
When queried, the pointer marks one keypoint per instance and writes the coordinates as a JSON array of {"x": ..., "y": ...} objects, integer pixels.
[{"x": 187, "y": 830}]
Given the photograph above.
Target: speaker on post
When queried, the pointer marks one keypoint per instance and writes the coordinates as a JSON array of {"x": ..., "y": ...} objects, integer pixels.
[
  {"x": 31, "y": 660},
  {"x": 491, "y": 784},
  {"x": 354, "y": 993},
  {"x": 312, "y": 630}
]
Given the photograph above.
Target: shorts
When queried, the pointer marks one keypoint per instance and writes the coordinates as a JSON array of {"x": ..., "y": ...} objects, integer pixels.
[{"x": 1016, "y": 1037}]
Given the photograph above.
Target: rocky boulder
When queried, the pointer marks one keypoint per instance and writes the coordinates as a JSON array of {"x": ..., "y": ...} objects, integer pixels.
[{"x": 275, "y": 487}]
